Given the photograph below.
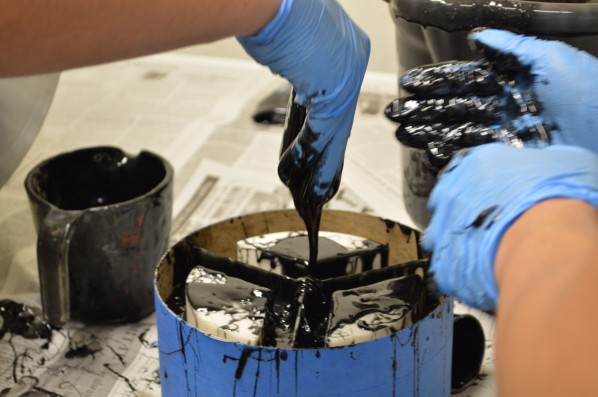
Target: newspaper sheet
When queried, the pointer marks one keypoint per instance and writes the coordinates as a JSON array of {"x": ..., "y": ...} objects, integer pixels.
[{"x": 197, "y": 113}]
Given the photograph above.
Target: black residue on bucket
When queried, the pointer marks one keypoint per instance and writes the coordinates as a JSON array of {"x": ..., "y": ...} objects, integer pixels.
[{"x": 530, "y": 17}]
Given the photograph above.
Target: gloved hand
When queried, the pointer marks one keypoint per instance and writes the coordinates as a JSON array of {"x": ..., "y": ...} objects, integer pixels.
[
  {"x": 524, "y": 91},
  {"x": 319, "y": 49},
  {"x": 481, "y": 193}
]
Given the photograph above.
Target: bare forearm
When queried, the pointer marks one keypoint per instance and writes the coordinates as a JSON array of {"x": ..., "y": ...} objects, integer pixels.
[
  {"x": 39, "y": 36},
  {"x": 547, "y": 270}
]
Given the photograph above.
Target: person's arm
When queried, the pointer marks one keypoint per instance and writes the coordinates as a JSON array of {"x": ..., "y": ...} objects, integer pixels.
[
  {"x": 547, "y": 273},
  {"x": 38, "y": 36},
  {"x": 313, "y": 44},
  {"x": 515, "y": 231}
]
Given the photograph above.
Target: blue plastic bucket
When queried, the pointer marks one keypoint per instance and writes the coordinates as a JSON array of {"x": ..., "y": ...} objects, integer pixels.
[{"x": 414, "y": 361}]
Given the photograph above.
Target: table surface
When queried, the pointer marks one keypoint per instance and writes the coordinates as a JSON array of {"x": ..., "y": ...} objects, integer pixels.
[{"x": 196, "y": 112}]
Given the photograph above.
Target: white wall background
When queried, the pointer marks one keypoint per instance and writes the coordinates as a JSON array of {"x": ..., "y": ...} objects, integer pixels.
[{"x": 372, "y": 16}]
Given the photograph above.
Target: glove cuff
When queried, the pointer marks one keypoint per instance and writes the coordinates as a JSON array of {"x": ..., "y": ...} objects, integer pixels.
[{"x": 268, "y": 32}]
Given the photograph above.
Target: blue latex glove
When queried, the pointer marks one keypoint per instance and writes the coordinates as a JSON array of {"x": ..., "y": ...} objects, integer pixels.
[
  {"x": 524, "y": 91},
  {"x": 319, "y": 49},
  {"x": 481, "y": 193},
  {"x": 564, "y": 80}
]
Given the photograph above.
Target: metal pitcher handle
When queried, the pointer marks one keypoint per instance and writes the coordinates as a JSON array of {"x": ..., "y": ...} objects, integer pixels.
[{"x": 52, "y": 257}]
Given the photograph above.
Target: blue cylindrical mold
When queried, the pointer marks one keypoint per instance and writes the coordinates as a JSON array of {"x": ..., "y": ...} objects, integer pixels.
[{"x": 415, "y": 361}]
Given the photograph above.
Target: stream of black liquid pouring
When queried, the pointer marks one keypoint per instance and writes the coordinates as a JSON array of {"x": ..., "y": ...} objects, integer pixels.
[{"x": 296, "y": 178}]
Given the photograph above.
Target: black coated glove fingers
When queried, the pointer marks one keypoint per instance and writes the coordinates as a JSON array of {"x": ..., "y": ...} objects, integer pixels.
[
  {"x": 502, "y": 62},
  {"x": 440, "y": 153},
  {"x": 468, "y": 134},
  {"x": 520, "y": 98},
  {"x": 455, "y": 139},
  {"x": 456, "y": 136},
  {"x": 441, "y": 140},
  {"x": 419, "y": 110},
  {"x": 452, "y": 78}
]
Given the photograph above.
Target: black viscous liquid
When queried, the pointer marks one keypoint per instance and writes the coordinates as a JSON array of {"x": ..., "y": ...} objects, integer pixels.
[
  {"x": 240, "y": 299},
  {"x": 297, "y": 176},
  {"x": 96, "y": 177},
  {"x": 292, "y": 255},
  {"x": 19, "y": 319},
  {"x": 218, "y": 295},
  {"x": 391, "y": 300},
  {"x": 297, "y": 311},
  {"x": 299, "y": 303},
  {"x": 296, "y": 317}
]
